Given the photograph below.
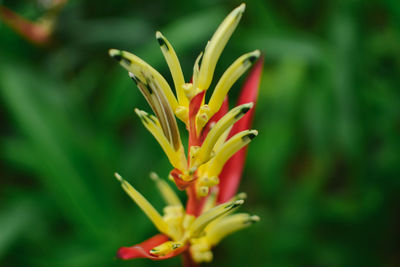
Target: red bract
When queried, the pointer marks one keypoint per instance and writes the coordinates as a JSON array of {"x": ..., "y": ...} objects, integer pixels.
[
  {"x": 194, "y": 107},
  {"x": 142, "y": 250}
]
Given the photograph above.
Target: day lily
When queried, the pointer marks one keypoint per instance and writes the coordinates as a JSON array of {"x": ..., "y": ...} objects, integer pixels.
[{"x": 211, "y": 170}]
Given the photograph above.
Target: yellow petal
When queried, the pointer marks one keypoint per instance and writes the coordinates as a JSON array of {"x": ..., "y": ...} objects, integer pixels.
[
  {"x": 228, "y": 225},
  {"x": 230, "y": 76},
  {"x": 177, "y": 158},
  {"x": 182, "y": 113},
  {"x": 142, "y": 70},
  {"x": 216, "y": 45},
  {"x": 166, "y": 191},
  {"x": 210, "y": 201},
  {"x": 144, "y": 205},
  {"x": 204, "y": 153},
  {"x": 204, "y": 219},
  {"x": 196, "y": 70},
  {"x": 159, "y": 104},
  {"x": 233, "y": 145},
  {"x": 221, "y": 140},
  {"x": 174, "y": 66}
]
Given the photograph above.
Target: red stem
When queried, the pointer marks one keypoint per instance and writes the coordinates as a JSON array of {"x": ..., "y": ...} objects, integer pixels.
[
  {"x": 187, "y": 260},
  {"x": 194, "y": 204}
]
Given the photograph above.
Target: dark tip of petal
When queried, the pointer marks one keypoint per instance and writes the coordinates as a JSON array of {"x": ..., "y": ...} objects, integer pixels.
[
  {"x": 245, "y": 109},
  {"x": 250, "y": 136},
  {"x": 115, "y": 54},
  {"x": 162, "y": 42},
  {"x": 242, "y": 111},
  {"x": 118, "y": 56},
  {"x": 252, "y": 59},
  {"x": 235, "y": 204}
]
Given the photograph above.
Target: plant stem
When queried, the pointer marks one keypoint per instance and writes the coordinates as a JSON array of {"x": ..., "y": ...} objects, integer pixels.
[{"x": 187, "y": 260}]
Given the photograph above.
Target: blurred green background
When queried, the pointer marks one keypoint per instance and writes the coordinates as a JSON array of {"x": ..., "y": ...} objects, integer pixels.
[{"x": 322, "y": 174}]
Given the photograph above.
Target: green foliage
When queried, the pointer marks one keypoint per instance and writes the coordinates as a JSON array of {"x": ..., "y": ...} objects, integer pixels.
[{"x": 322, "y": 175}]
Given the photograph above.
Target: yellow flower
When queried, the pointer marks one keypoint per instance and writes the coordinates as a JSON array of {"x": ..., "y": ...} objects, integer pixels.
[{"x": 215, "y": 140}]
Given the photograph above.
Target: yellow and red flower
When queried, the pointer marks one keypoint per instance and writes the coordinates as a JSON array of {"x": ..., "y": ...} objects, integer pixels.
[{"x": 211, "y": 170}]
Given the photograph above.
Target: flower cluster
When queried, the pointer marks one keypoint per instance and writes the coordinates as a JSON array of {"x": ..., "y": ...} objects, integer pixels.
[{"x": 211, "y": 170}]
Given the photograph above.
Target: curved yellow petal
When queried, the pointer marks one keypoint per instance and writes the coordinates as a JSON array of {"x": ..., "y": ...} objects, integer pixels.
[
  {"x": 216, "y": 45},
  {"x": 204, "y": 153},
  {"x": 174, "y": 66},
  {"x": 196, "y": 71},
  {"x": 204, "y": 219},
  {"x": 143, "y": 71},
  {"x": 230, "y": 76},
  {"x": 144, "y": 205},
  {"x": 228, "y": 225},
  {"x": 234, "y": 144},
  {"x": 159, "y": 104},
  {"x": 170, "y": 197},
  {"x": 177, "y": 158}
]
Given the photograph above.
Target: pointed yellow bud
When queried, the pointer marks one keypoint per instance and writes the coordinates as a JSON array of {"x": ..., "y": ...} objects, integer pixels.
[
  {"x": 143, "y": 71},
  {"x": 216, "y": 45},
  {"x": 174, "y": 66},
  {"x": 144, "y": 205},
  {"x": 196, "y": 70},
  {"x": 230, "y": 76}
]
